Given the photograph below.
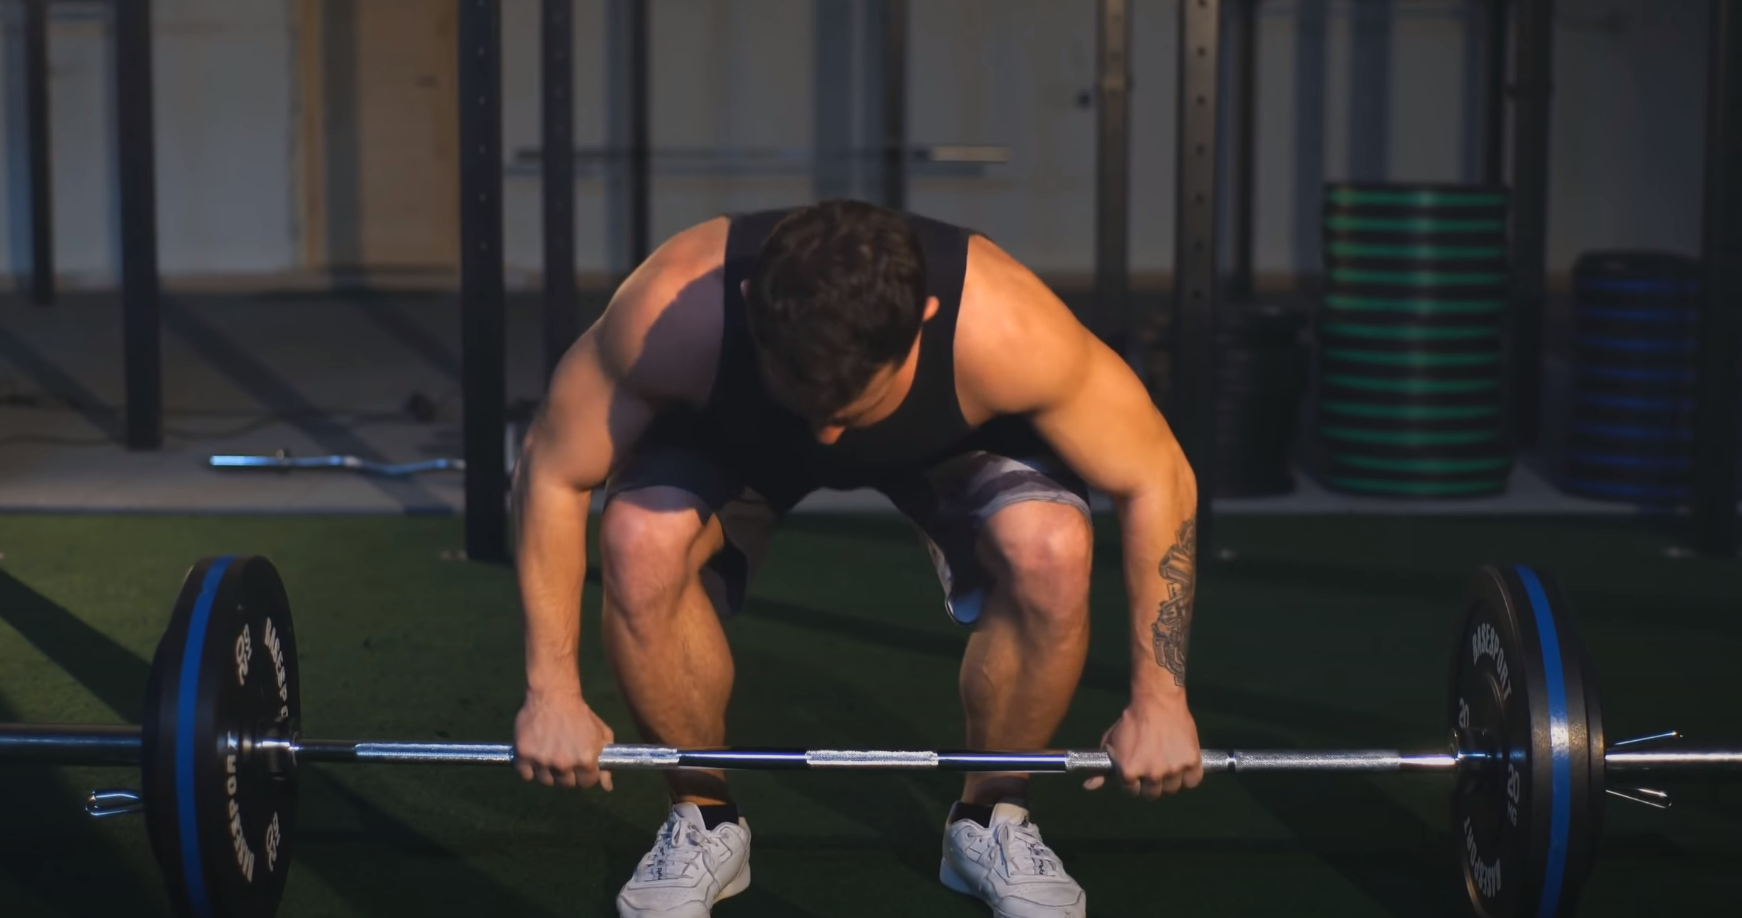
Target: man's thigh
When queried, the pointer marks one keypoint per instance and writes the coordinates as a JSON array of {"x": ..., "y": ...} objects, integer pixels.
[
  {"x": 661, "y": 479},
  {"x": 952, "y": 504}
]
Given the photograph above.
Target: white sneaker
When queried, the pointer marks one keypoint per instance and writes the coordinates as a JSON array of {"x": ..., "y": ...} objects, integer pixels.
[
  {"x": 689, "y": 869},
  {"x": 1008, "y": 867}
]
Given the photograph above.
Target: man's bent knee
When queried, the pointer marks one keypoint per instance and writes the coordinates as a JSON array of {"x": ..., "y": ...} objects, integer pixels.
[
  {"x": 652, "y": 543},
  {"x": 1043, "y": 551}
]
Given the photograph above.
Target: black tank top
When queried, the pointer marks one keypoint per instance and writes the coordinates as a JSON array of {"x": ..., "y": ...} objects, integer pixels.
[{"x": 774, "y": 451}]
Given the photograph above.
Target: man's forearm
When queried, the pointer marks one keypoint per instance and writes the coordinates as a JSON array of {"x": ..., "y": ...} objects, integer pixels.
[
  {"x": 551, "y": 561},
  {"x": 1159, "y": 527}
]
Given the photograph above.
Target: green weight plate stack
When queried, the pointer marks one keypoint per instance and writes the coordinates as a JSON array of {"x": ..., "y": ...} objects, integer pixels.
[{"x": 1409, "y": 384}]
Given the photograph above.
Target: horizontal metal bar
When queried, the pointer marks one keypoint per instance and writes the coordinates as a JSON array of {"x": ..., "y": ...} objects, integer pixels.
[
  {"x": 70, "y": 744},
  {"x": 947, "y": 160},
  {"x": 962, "y": 153},
  {"x": 79, "y": 744},
  {"x": 934, "y": 153},
  {"x": 1242, "y": 760},
  {"x": 285, "y": 462},
  {"x": 436, "y": 753},
  {"x": 625, "y": 757},
  {"x": 427, "y": 753},
  {"x": 630, "y": 757}
]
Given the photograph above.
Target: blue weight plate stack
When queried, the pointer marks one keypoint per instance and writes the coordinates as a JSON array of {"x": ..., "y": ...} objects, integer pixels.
[{"x": 1630, "y": 425}]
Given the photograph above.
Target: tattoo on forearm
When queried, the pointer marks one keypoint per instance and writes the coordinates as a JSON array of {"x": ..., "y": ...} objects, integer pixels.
[{"x": 1172, "y": 629}]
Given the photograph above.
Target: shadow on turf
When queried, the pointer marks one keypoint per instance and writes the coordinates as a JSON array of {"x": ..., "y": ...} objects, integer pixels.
[
  {"x": 107, "y": 670},
  {"x": 1099, "y": 675},
  {"x": 51, "y": 848},
  {"x": 1376, "y": 844},
  {"x": 905, "y": 812},
  {"x": 1606, "y": 604},
  {"x": 431, "y": 880},
  {"x": 894, "y": 529},
  {"x": 117, "y": 678}
]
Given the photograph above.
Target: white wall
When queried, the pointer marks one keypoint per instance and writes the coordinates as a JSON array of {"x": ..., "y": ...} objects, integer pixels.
[
  {"x": 78, "y": 121},
  {"x": 1007, "y": 72},
  {"x": 1627, "y": 131},
  {"x": 729, "y": 74},
  {"x": 522, "y": 221},
  {"x": 225, "y": 119},
  {"x": 1627, "y": 161}
]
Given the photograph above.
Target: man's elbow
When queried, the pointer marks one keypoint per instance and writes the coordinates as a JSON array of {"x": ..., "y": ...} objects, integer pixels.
[
  {"x": 1166, "y": 477},
  {"x": 1179, "y": 480}
]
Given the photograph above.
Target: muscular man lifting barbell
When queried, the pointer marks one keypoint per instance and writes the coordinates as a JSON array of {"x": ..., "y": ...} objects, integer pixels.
[
  {"x": 973, "y": 443},
  {"x": 756, "y": 358}
]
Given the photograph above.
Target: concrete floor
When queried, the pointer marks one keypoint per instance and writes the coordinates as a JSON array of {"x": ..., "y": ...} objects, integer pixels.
[{"x": 330, "y": 374}]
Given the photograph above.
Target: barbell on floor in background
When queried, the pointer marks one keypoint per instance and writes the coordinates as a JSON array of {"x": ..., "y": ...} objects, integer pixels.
[
  {"x": 283, "y": 461},
  {"x": 520, "y": 414},
  {"x": 221, "y": 744}
]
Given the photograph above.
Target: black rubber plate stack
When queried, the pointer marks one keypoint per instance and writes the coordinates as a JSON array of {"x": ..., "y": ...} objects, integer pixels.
[
  {"x": 1528, "y": 806},
  {"x": 1409, "y": 347},
  {"x": 1261, "y": 374},
  {"x": 221, "y": 812},
  {"x": 1631, "y": 431}
]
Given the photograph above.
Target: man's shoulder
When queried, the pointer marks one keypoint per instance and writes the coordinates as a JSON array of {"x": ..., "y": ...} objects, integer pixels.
[
  {"x": 1015, "y": 339},
  {"x": 663, "y": 327}
]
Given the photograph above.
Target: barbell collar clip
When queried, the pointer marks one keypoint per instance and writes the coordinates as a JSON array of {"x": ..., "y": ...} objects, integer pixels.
[
  {"x": 1656, "y": 799},
  {"x": 1646, "y": 742},
  {"x": 107, "y": 802}
]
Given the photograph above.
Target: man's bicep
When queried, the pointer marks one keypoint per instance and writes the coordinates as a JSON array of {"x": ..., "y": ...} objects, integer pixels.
[
  {"x": 1106, "y": 428},
  {"x": 590, "y": 419}
]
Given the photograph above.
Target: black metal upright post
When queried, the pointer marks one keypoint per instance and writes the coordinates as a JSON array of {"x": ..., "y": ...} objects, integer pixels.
[
  {"x": 1311, "y": 115},
  {"x": 141, "y": 325},
  {"x": 561, "y": 311},
  {"x": 1192, "y": 410},
  {"x": 832, "y": 164},
  {"x": 1494, "y": 91},
  {"x": 38, "y": 162},
  {"x": 1720, "y": 385},
  {"x": 1370, "y": 79},
  {"x": 1244, "y": 208},
  {"x": 1533, "y": 71},
  {"x": 1113, "y": 173},
  {"x": 894, "y": 104},
  {"x": 639, "y": 87},
  {"x": 483, "y": 326}
]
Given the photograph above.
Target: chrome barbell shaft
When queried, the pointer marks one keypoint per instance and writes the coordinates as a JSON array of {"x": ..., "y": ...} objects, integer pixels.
[
  {"x": 1693, "y": 759},
  {"x": 87, "y": 744},
  {"x": 70, "y": 744},
  {"x": 630, "y": 757},
  {"x": 1366, "y": 760}
]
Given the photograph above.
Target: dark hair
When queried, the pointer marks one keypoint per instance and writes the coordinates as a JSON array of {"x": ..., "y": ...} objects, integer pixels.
[{"x": 837, "y": 294}]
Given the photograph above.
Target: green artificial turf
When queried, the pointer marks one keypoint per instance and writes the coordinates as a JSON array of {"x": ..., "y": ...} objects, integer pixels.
[{"x": 1323, "y": 632}]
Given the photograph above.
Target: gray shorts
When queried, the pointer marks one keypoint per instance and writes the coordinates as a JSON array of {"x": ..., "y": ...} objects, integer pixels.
[{"x": 949, "y": 503}]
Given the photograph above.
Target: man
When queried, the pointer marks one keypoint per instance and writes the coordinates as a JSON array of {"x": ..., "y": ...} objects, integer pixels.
[{"x": 754, "y": 359}]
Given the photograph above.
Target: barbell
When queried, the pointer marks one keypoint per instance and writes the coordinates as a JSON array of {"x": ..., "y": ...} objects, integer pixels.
[{"x": 221, "y": 743}]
